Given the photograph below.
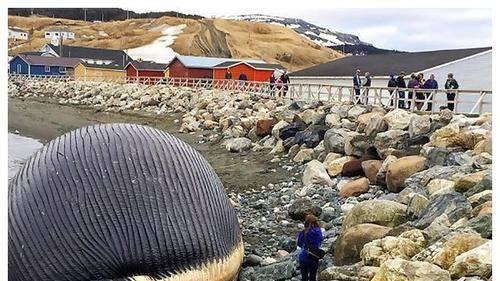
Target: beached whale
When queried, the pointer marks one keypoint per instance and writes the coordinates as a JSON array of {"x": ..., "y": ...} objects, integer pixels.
[{"x": 120, "y": 202}]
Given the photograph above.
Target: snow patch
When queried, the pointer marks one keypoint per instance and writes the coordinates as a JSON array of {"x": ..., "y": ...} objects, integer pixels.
[
  {"x": 158, "y": 51},
  {"x": 103, "y": 34}
]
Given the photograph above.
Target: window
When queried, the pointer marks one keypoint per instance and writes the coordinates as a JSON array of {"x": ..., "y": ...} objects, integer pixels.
[
  {"x": 47, "y": 33},
  {"x": 19, "y": 68},
  {"x": 62, "y": 69},
  {"x": 47, "y": 68},
  {"x": 57, "y": 33}
]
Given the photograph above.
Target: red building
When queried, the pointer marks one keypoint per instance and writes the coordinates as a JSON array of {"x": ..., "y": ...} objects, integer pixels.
[
  {"x": 254, "y": 71},
  {"x": 145, "y": 69},
  {"x": 197, "y": 67}
]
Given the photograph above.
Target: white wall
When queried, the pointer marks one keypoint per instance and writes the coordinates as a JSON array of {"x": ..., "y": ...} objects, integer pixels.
[
  {"x": 64, "y": 34},
  {"x": 18, "y": 35}
]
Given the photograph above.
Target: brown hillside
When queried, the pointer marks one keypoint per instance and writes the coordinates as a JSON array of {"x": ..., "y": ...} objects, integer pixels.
[{"x": 207, "y": 37}]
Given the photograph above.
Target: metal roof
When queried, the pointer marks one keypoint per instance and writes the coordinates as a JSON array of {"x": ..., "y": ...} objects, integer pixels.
[
  {"x": 118, "y": 56},
  {"x": 114, "y": 66},
  {"x": 255, "y": 65},
  {"x": 50, "y": 61},
  {"x": 207, "y": 62},
  {"x": 17, "y": 29},
  {"x": 60, "y": 29},
  {"x": 147, "y": 65},
  {"x": 387, "y": 64}
]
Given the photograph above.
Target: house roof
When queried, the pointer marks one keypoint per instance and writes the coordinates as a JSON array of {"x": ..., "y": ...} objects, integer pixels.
[
  {"x": 254, "y": 65},
  {"x": 31, "y": 53},
  {"x": 387, "y": 64},
  {"x": 17, "y": 29},
  {"x": 148, "y": 65},
  {"x": 92, "y": 53},
  {"x": 49, "y": 61},
  {"x": 113, "y": 66},
  {"x": 206, "y": 62}
]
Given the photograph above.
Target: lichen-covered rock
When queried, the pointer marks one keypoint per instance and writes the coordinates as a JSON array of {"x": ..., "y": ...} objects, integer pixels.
[
  {"x": 419, "y": 125},
  {"x": 348, "y": 245},
  {"x": 381, "y": 212},
  {"x": 402, "y": 270},
  {"x": 457, "y": 245},
  {"x": 480, "y": 198},
  {"x": 482, "y": 225},
  {"x": 475, "y": 262},
  {"x": 387, "y": 142},
  {"x": 398, "y": 119},
  {"x": 401, "y": 169},
  {"x": 416, "y": 204},
  {"x": 440, "y": 186},
  {"x": 343, "y": 273},
  {"x": 378, "y": 251},
  {"x": 442, "y": 137},
  {"x": 332, "y": 121},
  {"x": 366, "y": 273},
  {"x": 484, "y": 184},
  {"x": 304, "y": 155}
]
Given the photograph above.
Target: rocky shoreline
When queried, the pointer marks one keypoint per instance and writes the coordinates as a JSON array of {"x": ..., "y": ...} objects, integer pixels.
[{"x": 401, "y": 196}]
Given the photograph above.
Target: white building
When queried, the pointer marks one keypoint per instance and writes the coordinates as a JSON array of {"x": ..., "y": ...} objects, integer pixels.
[
  {"x": 16, "y": 33},
  {"x": 472, "y": 68},
  {"x": 58, "y": 32}
]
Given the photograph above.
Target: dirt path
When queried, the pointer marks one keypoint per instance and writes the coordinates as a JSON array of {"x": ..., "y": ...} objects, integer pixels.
[{"x": 238, "y": 172}]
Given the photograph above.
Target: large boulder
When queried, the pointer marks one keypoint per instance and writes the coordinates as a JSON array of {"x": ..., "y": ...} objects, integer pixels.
[
  {"x": 348, "y": 245},
  {"x": 457, "y": 245},
  {"x": 381, "y": 212},
  {"x": 364, "y": 119},
  {"x": 334, "y": 166},
  {"x": 419, "y": 181},
  {"x": 443, "y": 136},
  {"x": 357, "y": 145},
  {"x": 311, "y": 136},
  {"x": 310, "y": 116},
  {"x": 315, "y": 173},
  {"x": 282, "y": 270},
  {"x": 482, "y": 225},
  {"x": 484, "y": 184},
  {"x": 355, "y": 188},
  {"x": 335, "y": 140},
  {"x": 454, "y": 205},
  {"x": 440, "y": 186},
  {"x": 277, "y": 127},
  {"x": 398, "y": 119},
  {"x": 419, "y": 125},
  {"x": 291, "y": 130},
  {"x": 371, "y": 169},
  {"x": 354, "y": 168},
  {"x": 263, "y": 127},
  {"x": 401, "y": 169},
  {"x": 475, "y": 262},
  {"x": 376, "y": 125},
  {"x": 469, "y": 181},
  {"x": 388, "y": 142},
  {"x": 332, "y": 121},
  {"x": 402, "y": 270},
  {"x": 341, "y": 273},
  {"x": 302, "y": 207},
  {"x": 238, "y": 144},
  {"x": 378, "y": 251}
]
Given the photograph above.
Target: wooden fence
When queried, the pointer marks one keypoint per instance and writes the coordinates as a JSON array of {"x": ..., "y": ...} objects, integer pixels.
[{"x": 426, "y": 100}]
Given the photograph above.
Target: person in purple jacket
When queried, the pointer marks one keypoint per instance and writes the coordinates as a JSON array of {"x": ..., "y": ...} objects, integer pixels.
[
  {"x": 311, "y": 236},
  {"x": 430, "y": 83}
]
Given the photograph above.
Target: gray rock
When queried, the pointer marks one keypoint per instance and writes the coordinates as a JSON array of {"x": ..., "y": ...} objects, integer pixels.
[
  {"x": 482, "y": 225},
  {"x": 419, "y": 125},
  {"x": 376, "y": 125},
  {"x": 238, "y": 144},
  {"x": 454, "y": 205},
  {"x": 437, "y": 156},
  {"x": 419, "y": 180},
  {"x": 391, "y": 140},
  {"x": 303, "y": 206},
  {"x": 252, "y": 260},
  {"x": 334, "y": 140}
]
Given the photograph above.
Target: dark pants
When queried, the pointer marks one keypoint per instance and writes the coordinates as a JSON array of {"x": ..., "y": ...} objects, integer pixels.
[
  {"x": 401, "y": 102},
  {"x": 308, "y": 270},
  {"x": 420, "y": 100},
  {"x": 357, "y": 92},
  {"x": 451, "y": 97},
  {"x": 285, "y": 90}
]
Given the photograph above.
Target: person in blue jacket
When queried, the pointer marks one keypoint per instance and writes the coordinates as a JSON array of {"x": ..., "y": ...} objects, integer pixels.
[
  {"x": 311, "y": 236},
  {"x": 430, "y": 83}
]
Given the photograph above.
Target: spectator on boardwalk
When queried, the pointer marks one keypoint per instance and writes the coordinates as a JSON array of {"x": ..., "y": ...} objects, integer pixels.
[
  {"x": 401, "y": 84},
  {"x": 451, "y": 84},
  {"x": 430, "y": 84},
  {"x": 392, "y": 84},
  {"x": 279, "y": 86},
  {"x": 285, "y": 79},
  {"x": 367, "y": 83},
  {"x": 419, "y": 94},
  {"x": 356, "y": 82},
  {"x": 311, "y": 236},
  {"x": 228, "y": 74},
  {"x": 412, "y": 85},
  {"x": 243, "y": 78},
  {"x": 272, "y": 80}
]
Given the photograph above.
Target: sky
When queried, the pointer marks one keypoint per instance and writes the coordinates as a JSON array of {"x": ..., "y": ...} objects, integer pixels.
[{"x": 406, "y": 29}]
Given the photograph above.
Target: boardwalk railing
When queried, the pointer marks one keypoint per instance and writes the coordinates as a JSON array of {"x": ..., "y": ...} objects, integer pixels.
[{"x": 425, "y": 100}]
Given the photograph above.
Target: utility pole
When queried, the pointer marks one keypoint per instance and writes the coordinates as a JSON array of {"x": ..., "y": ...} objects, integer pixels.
[
  {"x": 102, "y": 16},
  {"x": 128, "y": 14},
  {"x": 85, "y": 14}
]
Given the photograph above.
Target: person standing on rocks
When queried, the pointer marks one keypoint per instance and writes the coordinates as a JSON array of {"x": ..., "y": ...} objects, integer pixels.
[
  {"x": 451, "y": 85},
  {"x": 356, "y": 82},
  {"x": 310, "y": 237}
]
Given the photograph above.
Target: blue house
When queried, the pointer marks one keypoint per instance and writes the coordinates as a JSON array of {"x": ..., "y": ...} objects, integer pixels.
[{"x": 42, "y": 65}]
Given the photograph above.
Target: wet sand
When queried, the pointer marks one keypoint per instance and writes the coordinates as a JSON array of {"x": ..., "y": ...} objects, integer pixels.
[{"x": 239, "y": 172}]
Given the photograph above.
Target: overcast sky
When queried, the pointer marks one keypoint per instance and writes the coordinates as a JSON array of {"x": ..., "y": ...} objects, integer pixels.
[{"x": 411, "y": 29}]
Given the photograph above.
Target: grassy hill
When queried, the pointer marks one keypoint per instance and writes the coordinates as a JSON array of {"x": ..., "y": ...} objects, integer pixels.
[{"x": 207, "y": 37}]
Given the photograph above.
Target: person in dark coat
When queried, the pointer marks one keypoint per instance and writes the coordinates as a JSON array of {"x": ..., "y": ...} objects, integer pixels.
[
  {"x": 311, "y": 236},
  {"x": 285, "y": 79},
  {"x": 412, "y": 85},
  {"x": 401, "y": 84},
  {"x": 392, "y": 83},
  {"x": 451, "y": 84},
  {"x": 272, "y": 80},
  {"x": 228, "y": 74},
  {"x": 431, "y": 83},
  {"x": 356, "y": 82},
  {"x": 367, "y": 83}
]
